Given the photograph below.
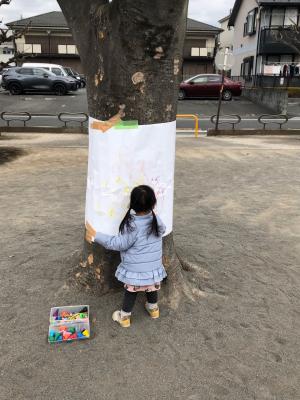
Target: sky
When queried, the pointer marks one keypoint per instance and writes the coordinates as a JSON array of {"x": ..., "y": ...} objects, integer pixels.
[{"x": 198, "y": 9}]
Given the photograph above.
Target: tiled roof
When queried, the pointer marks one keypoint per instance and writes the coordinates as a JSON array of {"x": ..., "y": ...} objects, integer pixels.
[
  {"x": 193, "y": 25},
  {"x": 56, "y": 19},
  {"x": 52, "y": 19}
]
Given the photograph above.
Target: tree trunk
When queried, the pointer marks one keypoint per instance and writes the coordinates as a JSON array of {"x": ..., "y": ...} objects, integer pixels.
[{"x": 131, "y": 51}]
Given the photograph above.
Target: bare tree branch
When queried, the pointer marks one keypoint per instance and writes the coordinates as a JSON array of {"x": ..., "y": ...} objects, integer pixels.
[
  {"x": 17, "y": 58},
  {"x": 5, "y": 37}
]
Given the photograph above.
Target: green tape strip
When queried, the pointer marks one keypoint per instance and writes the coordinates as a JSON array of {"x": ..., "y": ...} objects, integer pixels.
[{"x": 127, "y": 125}]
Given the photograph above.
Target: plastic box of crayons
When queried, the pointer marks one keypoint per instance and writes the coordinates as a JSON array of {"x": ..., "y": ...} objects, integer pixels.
[{"x": 69, "y": 323}]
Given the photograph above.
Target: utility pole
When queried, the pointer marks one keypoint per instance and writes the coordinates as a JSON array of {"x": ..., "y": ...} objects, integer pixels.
[
  {"x": 222, "y": 87},
  {"x": 49, "y": 45}
]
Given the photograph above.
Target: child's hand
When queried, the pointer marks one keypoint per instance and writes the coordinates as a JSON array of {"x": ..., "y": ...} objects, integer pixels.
[{"x": 90, "y": 233}]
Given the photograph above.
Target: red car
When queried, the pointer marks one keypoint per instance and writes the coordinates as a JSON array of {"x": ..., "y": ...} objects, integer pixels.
[{"x": 209, "y": 86}]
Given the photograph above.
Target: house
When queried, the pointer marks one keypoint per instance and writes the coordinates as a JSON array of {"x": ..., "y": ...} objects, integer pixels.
[
  {"x": 49, "y": 39},
  {"x": 257, "y": 47},
  {"x": 6, "y": 52},
  {"x": 225, "y": 37},
  {"x": 6, "y": 49},
  {"x": 199, "y": 48}
]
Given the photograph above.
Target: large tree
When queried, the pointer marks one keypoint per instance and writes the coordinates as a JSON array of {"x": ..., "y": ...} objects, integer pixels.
[{"x": 131, "y": 52}]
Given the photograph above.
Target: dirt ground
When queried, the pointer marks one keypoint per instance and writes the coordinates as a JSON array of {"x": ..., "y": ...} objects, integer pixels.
[{"x": 236, "y": 217}]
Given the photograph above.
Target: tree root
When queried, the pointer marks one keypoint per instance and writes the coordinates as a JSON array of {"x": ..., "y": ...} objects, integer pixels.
[
  {"x": 94, "y": 268},
  {"x": 187, "y": 285}
]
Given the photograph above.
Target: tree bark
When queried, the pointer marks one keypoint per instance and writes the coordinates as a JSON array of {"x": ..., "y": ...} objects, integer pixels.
[{"x": 131, "y": 51}]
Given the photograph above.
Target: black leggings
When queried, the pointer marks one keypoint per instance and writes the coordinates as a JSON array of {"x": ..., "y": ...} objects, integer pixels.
[{"x": 130, "y": 297}]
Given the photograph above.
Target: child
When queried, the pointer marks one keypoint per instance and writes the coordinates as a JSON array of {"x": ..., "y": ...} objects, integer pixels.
[{"x": 140, "y": 244}]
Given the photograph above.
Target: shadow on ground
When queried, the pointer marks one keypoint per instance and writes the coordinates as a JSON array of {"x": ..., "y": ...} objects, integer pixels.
[{"x": 8, "y": 154}]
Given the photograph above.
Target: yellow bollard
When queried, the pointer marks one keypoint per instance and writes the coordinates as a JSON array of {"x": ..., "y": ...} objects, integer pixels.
[{"x": 181, "y": 116}]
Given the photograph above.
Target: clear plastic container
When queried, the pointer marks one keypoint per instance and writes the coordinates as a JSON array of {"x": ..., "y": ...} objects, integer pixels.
[
  {"x": 69, "y": 309},
  {"x": 65, "y": 333},
  {"x": 67, "y": 329}
]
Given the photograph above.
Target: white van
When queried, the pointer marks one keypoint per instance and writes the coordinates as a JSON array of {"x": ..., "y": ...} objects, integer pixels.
[{"x": 55, "y": 68}]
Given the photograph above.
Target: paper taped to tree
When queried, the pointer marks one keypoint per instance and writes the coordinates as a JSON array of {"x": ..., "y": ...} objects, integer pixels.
[{"x": 119, "y": 160}]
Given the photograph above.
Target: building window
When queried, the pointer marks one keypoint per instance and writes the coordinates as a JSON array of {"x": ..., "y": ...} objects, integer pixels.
[
  {"x": 7, "y": 50},
  {"x": 195, "y": 52},
  {"x": 28, "y": 48},
  {"x": 201, "y": 52},
  {"x": 67, "y": 49},
  {"x": 247, "y": 66},
  {"x": 266, "y": 18},
  {"x": 279, "y": 16},
  {"x": 32, "y": 48},
  {"x": 36, "y": 48},
  {"x": 291, "y": 16},
  {"x": 251, "y": 22}
]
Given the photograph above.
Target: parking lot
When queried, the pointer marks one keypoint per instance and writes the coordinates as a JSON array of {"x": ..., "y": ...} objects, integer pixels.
[{"x": 38, "y": 104}]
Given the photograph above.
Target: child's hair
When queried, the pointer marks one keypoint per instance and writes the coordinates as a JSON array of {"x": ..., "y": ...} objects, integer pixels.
[{"x": 142, "y": 199}]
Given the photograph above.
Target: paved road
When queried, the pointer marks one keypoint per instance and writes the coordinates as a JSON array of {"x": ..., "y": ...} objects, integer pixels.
[{"x": 204, "y": 109}]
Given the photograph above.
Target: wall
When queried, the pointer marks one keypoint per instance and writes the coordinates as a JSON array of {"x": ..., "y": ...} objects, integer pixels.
[
  {"x": 6, "y": 57},
  {"x": 198, "y": 65},
  {"x": 225, "y": 39},
  {"x": 200, "y": 40},
  {"x": 243, "y": 46},
  {"x": 68, "y": 60},
  {"x": 54, "y": 40},
  {"x": 274, "y": 99},
  {"x": 190, "y": 43},
  {"x": 191, "y": 68}
]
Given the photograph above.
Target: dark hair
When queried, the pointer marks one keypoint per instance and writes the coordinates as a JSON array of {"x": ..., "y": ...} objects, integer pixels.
[{"x": 142, "y": 199}]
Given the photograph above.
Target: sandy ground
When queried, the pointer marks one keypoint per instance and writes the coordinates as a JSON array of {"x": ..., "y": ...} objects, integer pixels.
[{"x": 236, "y": 217}]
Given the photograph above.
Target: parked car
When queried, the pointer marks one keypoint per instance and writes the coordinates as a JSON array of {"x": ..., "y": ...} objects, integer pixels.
[
  {"x": 54, "y": 68},
  {"x": 209, "y": 85},
  {"x": 80, "y": 78},
  {"x": 19, "y": 80}
]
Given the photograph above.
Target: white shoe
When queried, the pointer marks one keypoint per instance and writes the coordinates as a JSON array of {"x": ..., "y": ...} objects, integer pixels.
[
  {"x": 153, "y": 312},
  {"x": 124, "y": 322}
]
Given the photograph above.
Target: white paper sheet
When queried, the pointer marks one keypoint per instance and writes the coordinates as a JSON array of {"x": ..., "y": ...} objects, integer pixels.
[{"x": 119, "y": 160}]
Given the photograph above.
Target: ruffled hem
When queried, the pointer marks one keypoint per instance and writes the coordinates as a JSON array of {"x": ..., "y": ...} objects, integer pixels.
[{"x": 140, "y": 278}]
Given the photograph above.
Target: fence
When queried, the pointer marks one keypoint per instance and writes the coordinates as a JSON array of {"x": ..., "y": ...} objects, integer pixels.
[
  {"x": 268, "y": 81},
  {"x": 62, "y": 123}
]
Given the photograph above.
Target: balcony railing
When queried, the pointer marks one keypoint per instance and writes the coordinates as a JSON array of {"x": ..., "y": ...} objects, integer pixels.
[
  {"x": 272, "y": 41},
  {"x": 266, "y": 81}
]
